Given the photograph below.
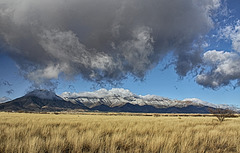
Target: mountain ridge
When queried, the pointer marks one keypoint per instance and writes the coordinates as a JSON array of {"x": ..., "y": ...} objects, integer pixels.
[
  {"x": 119, "y": 96},
  {"x": 115, "y": 100}
]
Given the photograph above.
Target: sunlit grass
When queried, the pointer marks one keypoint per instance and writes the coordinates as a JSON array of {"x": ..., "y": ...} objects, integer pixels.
[{"x": 21, "y": 132}]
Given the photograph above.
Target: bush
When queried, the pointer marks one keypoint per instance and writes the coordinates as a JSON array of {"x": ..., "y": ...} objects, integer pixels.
[{"x": 221, "y": 114}]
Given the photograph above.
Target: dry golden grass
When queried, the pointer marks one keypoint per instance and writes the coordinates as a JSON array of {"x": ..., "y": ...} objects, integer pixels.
[{"x": 100, "y": 133}]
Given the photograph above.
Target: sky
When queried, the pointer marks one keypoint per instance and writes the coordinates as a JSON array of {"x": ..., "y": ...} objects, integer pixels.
[{"x": 174, "y": 49}]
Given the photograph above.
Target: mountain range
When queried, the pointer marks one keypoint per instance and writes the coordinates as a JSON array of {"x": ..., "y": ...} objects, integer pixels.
[{"x": 114, "y": 100}]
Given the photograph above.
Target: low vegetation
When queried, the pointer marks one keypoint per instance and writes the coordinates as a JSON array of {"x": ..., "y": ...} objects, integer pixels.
[{"x": 21, "y": 132}]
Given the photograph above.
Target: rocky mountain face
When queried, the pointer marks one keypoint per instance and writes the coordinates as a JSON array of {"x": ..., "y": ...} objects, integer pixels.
[
  {"x": 115, "y": 100},
  {"x": 121, "y": 100},
  {"x": 40, "y": 100},
  {"x": 120, "y": 97}
]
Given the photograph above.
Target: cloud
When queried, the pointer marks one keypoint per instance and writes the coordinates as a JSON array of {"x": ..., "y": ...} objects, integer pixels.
[
  {"x": 221, "y": 68},
  {"x": 9, "y": 92},
  {"x": 102, "y": 40},
  {"x": 4, "y": 99},
  {"x": 232, "y": 32},
  {"x": 5, "y": 83}
]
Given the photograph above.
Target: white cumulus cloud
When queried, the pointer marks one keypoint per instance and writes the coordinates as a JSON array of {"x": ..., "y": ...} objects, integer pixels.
[{"x": 221, "y": 69}]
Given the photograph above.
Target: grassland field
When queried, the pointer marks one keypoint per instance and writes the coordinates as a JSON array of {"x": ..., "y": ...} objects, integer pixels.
[{"x": 109, "y": 133}]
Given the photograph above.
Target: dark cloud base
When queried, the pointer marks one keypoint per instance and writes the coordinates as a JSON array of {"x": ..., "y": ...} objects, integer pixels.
[{"x": 104, "y": 41}]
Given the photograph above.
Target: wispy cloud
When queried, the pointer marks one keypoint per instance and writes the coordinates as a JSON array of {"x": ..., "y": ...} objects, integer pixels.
[
  {"x": 5, "y": 83},
  {"x": 9, "y": 92},
  {"x": 232, "y": 33}
]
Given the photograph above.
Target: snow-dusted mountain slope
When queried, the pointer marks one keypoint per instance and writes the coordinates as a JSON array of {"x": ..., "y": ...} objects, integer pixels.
[
  {"x": 114, "y": 100},
  {"x": 43, "y": 94},
  {"x": 119, "y": 97},
  {"x": 4, "y": 99},
  {"x": 204, "y": 103},
  {"x": 200, "y": 102}
]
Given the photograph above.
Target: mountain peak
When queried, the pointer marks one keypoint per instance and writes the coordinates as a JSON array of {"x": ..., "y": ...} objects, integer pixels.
[{"x": 43, "y": 94}]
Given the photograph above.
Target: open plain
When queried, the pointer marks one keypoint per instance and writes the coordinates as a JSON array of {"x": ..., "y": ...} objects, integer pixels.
[{"x": 24, "y": 132}]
